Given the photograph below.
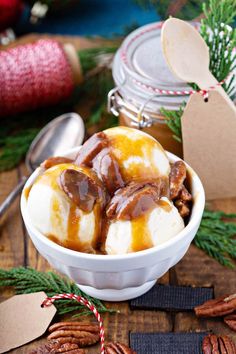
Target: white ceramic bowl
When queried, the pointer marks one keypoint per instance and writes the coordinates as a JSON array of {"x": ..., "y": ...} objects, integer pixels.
[{"x": 118, "y": 277}]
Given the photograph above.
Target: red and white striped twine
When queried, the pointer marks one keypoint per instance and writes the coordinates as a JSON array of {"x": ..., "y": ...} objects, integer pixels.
[
  {"x": 34, "y": 75},
  {"x": 50, "y": 300},
  {"x": 138, "y": 35},
  {"x": 157, "y": 90}
]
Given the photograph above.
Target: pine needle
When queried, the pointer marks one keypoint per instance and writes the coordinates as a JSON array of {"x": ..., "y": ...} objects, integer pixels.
[
  {"x": 92, "y": 57},
  {"x": 216, "y": 236},
  {"x": 221, "y": 38},
  {"x": 173, "y": 121},
  {"x": 28, "y": 280},
  {"x": 14, "y": 147}
]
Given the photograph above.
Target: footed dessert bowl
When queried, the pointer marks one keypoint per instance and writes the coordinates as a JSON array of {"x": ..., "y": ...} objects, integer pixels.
[{"x": 118, "y": 277}]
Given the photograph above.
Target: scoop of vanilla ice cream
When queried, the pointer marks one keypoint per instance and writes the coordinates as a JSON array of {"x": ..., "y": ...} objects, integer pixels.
[
  {"x": 138, "y": 154},
  {"x": 152, "y": 229},
  {"x": 56, "y": 216}
]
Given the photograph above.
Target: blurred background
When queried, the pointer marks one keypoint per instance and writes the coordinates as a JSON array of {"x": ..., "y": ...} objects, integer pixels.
[{"x": 91, "y": 17}]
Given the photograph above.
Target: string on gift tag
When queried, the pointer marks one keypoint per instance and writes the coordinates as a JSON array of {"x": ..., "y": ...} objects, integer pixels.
[
  {"x": 50, "y": 300},
  {"x": 160, "y": 91}
]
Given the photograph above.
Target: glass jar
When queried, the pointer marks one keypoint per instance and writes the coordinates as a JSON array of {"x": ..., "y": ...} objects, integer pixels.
[{"x": 140, "y": 72}]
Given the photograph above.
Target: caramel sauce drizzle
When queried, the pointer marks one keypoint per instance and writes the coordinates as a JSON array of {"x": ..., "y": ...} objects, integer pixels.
[
  {"x": 72, "y": 240},
  {"x": 124, "y": 148},
  {"x": 27, "y": 191},
  {"x": 165, "y": 205},
  {"x": 56, "y": 217},
  {"x": 141, "y": 237},
  {"x": 97, "y": 226}
]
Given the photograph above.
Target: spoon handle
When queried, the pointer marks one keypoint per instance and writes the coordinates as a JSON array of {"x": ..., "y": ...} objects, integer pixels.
[{"x": 12, "y": 196}]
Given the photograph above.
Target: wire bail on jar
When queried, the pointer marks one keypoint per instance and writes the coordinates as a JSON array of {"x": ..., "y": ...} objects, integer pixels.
[
  {"x": 112, "y": 105},
  {"x": 144, "y": 120}
]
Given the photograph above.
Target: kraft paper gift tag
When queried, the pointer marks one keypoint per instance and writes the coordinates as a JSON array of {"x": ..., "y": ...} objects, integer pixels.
[
  {"x": 22, "y": 319},
  {"x": 209, "y": 142}
]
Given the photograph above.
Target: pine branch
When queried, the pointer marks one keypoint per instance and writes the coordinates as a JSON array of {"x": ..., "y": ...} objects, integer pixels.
[
  {"x": 93, "y": 57},
  {"x": 28, "y": 280},
  {"x": 14, "y": 147},
  {"x": 220, "y": 37},
  {"x": 173, "y": 121},
  {"x": 216, "y": 236}
]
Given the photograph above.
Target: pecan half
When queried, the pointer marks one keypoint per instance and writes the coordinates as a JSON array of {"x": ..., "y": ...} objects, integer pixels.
[
  {"x": 221, "y": 306},
  {"x": 92, "y": 327},
  {"x": 108, "y": 170},
  {"x": 183, "y": 207},
  {"x": 213, "y": 344},
  {"x": 57, "y": 160},
  {"x": 185, "y": 195},
  {"x": 178, "y": 192},
  {"x": 82, "y": 334},
  {"x": 55, "y": 347},
  {"x": 81, "y": 189},
  {"x": 177, "y": 178},
  {"x": 118, "y": 348},
  {"x": 230, "y": 320},
  {"x": 91, "y": 148},
  {"x": 135, "y": 199}
]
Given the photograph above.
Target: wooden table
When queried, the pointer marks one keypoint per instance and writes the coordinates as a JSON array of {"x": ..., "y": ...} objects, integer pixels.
[{"x": 16, "y": 249}]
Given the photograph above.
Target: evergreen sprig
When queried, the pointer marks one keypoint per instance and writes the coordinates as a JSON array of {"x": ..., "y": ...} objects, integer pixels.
[
  {"x": 173, "y": 121},
  {"x": 28, "y": 280},
  {"x": 14, "y": 147},
  {"x": 90, "y": 58},
  {"x": 216, "y": 236},
  {"x": 220, "y": 37}
]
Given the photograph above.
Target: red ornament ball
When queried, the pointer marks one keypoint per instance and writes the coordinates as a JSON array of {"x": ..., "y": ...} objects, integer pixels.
[{"x": 10, "y": 11}]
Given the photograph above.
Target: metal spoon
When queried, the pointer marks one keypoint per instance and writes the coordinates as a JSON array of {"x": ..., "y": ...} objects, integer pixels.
[
  {"x": 56, "y": 137},
  {"x": 187, "y": 55}
]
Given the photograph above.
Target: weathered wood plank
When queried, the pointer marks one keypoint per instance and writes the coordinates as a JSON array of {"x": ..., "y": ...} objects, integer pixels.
[{"x": 11, "y": 235}]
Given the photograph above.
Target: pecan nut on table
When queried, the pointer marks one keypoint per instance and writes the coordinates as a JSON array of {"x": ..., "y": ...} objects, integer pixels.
[
  {"x": 117, "y": 348},
  {"x": 230, "y": 320},
  {"x": 221, "y": 306},
  {"x": 54, "y": 347},
  {"x": 71, "y": 337},
  {"x": 213, "y": 344},
  {"x": 82, "y": 334}
]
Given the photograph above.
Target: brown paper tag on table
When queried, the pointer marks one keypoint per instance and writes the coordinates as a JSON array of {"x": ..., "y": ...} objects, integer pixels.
[
  {"x": 209, "y": 142},
  {"x": 22, "y": 319}
]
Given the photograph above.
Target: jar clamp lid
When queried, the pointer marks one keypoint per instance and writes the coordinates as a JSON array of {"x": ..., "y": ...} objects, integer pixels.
[{"x": 139, "y": 72}]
